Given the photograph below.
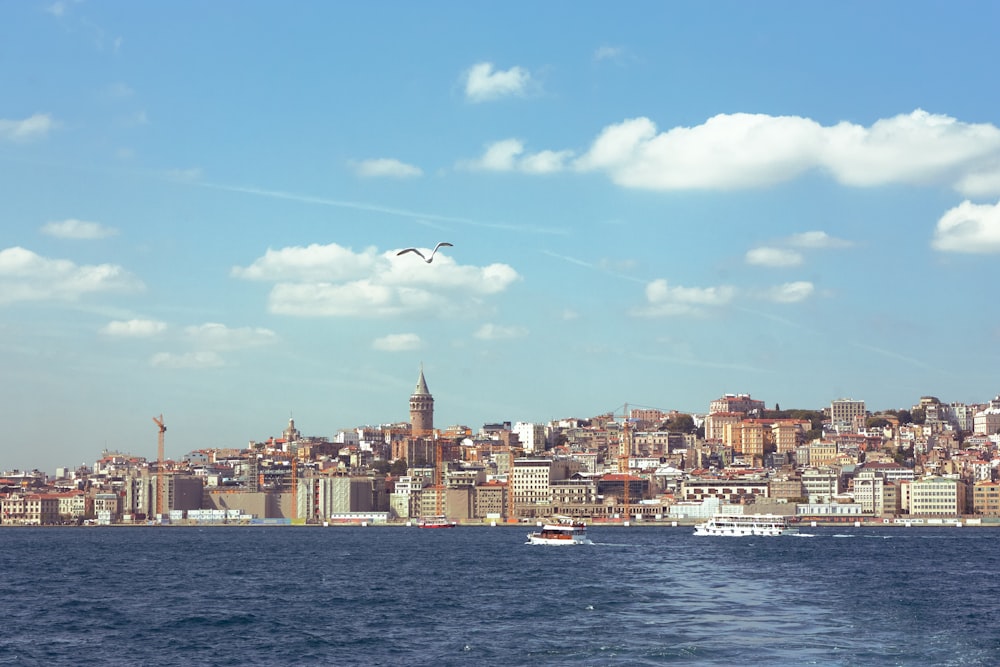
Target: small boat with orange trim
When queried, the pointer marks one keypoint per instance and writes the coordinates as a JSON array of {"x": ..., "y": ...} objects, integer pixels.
[{"x": 566, "y": 532}]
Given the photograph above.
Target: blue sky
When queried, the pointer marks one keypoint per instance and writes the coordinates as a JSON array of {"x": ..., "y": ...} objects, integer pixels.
[{"x": 202, "y": 205}]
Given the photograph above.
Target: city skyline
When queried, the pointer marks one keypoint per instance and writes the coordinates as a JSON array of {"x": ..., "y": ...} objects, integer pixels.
[{"x": 203, "y": 206}]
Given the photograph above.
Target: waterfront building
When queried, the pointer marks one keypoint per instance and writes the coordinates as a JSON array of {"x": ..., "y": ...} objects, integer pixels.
[
  {"x": 820, "y": 485},
  {"x": 935, "y": 495},
  {"x": 986, "y": 498},
  {"x": 490, "y": 501}
]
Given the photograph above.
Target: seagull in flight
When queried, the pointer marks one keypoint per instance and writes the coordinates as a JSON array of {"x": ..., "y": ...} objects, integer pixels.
[{"x": 426, "y": 259}]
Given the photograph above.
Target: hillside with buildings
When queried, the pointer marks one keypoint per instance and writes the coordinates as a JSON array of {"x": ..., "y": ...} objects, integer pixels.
[{"x": 932, "y": 461}]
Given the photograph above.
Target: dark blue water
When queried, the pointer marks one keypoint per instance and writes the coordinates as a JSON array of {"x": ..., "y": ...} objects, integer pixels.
[{"x": 480, "y": 596}]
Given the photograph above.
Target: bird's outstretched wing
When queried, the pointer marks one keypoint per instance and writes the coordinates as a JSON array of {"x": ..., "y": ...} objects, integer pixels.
[
  {"x": 406, "y": 250},
  {"x": 433, "y": 252}
]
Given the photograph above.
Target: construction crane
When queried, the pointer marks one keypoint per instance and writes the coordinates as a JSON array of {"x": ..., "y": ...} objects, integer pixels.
[{"x": 159, "y": 464}]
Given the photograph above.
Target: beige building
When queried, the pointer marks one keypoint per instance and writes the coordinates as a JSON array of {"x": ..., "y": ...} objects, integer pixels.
[
  {"x": 940, "y": 496},
  {"x": 844, "y": 412},
  {"x": 986, "y": 498}
]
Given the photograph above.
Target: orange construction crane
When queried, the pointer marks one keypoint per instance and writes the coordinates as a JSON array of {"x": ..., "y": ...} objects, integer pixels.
[{"x": 159, "y": 464}]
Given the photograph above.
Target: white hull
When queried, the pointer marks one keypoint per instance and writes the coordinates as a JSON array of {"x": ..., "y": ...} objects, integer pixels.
[
  {"x": 560, "y": 535},
  {"x": 534, "y": 538},
  {"x": 743, "y": 525}
]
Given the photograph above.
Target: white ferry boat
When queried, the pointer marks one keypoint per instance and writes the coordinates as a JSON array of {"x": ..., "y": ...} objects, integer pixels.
[
  {"x": 564, "y": 533},
  {"x": 738, "y": 525}
]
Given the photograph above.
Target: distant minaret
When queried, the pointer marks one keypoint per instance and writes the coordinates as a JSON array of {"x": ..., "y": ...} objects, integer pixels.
[{"x": 421, "y": 409}]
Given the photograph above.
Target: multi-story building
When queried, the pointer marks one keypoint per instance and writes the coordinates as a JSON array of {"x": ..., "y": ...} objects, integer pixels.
[
  {"x": 726, "y": 490},
  {"x": 869, "y": 487},
  {"x": 531, "y": 484},
  {"x": 845, "y": 411},
  {"x": 986, "y": 498},
  {"x": 934, "y": 495},
  {"x": 490, "y": 501},
  {"x": 576, "y": 496},
  {"x": 736, "y": 403},
  {"x": 29, "y": 509},
  {"x": 987, "y": 422},
  {"x": 716, "y": 424},
  {"x": 820, "y": 485},
  {"x": 531, "y": 436}
]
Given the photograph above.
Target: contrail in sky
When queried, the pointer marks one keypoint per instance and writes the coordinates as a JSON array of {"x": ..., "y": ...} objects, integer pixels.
[{"x": 375, "y": 208}]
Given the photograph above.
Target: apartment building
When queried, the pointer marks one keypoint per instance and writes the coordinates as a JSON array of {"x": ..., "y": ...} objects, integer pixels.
[
  {"x": 935, "y": 495},
  {"x": 844, "y": 412},
  {"x": 986, "y": 498}
]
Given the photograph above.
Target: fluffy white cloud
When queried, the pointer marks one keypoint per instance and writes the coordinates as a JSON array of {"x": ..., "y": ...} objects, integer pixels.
[
  {"x": 33, "y": 127},
  {"x": 754, "y": 150},
  {"x": 312, "y": 262},
  {"x": 215, "y": 336},
  {"x": 500, "y": 332},
  {"x": 791, "y": 292},
  {"x": 77, "y": 229},
  {"x": 665, "y": 299},
  {"x": 969, "y": 228},
  {"x": 133, "y": 328},
  {"x": 509, "y": 155},
  {"x": 387, "y": 167},
  {"x": 397, "y": 342},
  {"x": 205, "y": 359},
  {"x": 484, "y": 83},
  {"x": 334, "y": 281},
  {"x": 773, "y": 257},
  {"x": 27, "y": 276}
]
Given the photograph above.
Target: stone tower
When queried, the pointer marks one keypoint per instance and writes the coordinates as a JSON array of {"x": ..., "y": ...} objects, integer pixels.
[{"x": 421, "y": 409}]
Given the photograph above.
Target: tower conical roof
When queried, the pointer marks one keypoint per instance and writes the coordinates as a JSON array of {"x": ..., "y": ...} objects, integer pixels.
[{"x": 421, "y": 384}]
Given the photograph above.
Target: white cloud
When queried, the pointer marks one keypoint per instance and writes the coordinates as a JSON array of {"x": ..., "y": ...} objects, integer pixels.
[
  {"x": 78, "y": 229},
  {"x": 545, "y": 162},
  {"x": 397, "y": 342},
  {"x": 27, "y": 276},
  {"x": 773, "y": 257},
  {"x": 509, "y": 155},
  {"x": 499, "y": 156},
  {"x": 334, "y": 281},
  {"x": 755, "y": 150},
  {"x": 215, "y": 336},
  {"x": 133, "y": 328},
  {"x": 387, "y": 167},
  {"x": 312, "y": 262},
  {"x": 969, "y": 228},
  {"x": 500, "y": 332},
  {"x": 791, "y": 292},
  {"x": 193, "y": 360},
  {"x": 33, "y": 127},
  {"x": 483, "y": 83},
  {"x": 817, "y": 239},
  {"x": 664, "y": 299}
]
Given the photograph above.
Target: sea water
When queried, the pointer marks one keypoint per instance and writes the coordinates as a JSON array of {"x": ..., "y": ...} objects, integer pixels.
[{"x": 481, "y": 596}]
